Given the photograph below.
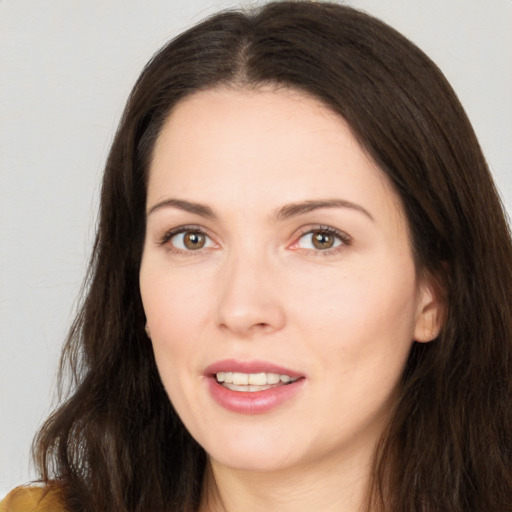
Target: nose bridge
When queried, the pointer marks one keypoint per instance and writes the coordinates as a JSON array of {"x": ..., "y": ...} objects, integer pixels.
[{"x": 248, "y": 299}]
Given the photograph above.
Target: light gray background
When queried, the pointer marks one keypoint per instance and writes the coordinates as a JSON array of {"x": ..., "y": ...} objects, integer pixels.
[{"x": 66, "y": 68}]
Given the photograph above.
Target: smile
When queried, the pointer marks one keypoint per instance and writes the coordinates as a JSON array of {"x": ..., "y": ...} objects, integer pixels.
[
  {"x": 252, "y": 382},
  {"x": 252, "y": 387}
]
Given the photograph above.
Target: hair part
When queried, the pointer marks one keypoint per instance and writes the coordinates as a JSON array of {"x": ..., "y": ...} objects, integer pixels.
[{"x": 117, "y": 443}]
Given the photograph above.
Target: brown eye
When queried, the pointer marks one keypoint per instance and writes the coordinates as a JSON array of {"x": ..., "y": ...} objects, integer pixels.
[
  {"x": 322, "y": 240},
  {"x": 190, "y": 240},
  {"x": 193, "y": 240}
]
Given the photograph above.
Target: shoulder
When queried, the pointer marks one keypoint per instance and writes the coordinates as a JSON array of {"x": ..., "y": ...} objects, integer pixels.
[{"x": 33, "y": 499}]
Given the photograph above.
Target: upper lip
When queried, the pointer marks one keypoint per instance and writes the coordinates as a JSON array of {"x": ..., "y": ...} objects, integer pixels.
[{"x": 254, "y": 366}]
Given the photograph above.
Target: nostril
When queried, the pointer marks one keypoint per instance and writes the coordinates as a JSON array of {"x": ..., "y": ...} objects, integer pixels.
[{"x": 261, "y": 327}]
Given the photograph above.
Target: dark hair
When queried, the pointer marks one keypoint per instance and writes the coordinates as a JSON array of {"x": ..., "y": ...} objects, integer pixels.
[{"x": 117, "y": 444}]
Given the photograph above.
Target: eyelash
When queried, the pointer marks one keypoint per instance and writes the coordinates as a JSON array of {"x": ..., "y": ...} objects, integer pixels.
[
  {"x": 344, "y": 238},
  {"x": 168, "y": 235}
]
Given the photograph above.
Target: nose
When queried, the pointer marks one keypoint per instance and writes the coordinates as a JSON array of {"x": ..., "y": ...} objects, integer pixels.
[{"x": 249, "y": 300}]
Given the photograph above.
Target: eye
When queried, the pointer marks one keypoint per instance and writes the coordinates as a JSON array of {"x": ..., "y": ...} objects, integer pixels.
[
  {"x": 322, "y": 239},
  {"x": 187, "y": 240},
  {"x": 319, "y": 240}
]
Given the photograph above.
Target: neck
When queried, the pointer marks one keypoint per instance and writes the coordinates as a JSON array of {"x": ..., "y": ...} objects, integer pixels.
[{"x": 340, "y": 486}]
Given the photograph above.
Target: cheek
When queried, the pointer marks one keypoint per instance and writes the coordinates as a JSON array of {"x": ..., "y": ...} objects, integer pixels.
[
  {"x": 173, "y": 308},
  {"x": 359, "y": 313},
  {"x": 171, "y": 299}
]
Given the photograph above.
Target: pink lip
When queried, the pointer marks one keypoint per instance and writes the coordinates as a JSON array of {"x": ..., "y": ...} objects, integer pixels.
[{"x": 257, "y": 402}]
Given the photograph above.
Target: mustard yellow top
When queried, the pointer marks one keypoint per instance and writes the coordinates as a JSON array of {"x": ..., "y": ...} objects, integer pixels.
[{"x": 33, "y": 499}]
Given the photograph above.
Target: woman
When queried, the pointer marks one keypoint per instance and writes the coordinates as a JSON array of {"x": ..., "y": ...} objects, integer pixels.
[{"x": 299, "y": 296}]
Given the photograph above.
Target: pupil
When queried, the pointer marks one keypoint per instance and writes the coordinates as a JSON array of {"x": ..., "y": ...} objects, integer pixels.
[
  {"x": 322, "y": 240},
  {"x": 194, "y": 241}
]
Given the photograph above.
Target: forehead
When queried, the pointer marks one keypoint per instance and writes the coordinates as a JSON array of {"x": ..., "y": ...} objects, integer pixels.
[
  {"x": 233, "y": 124},
  {"x": 272, "y": 145}
]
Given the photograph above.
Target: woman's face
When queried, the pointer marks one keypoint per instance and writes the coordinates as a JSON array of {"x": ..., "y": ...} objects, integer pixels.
[{"x": 276, "y": 257}]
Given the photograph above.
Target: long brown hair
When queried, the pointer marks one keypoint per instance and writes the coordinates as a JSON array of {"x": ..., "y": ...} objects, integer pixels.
[{"x": 116, "y": 442}]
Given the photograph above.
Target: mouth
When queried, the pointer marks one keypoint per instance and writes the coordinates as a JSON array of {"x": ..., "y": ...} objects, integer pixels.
[
  {"x": 252, "y": 382},
  {"x": 252, "y": 387}
]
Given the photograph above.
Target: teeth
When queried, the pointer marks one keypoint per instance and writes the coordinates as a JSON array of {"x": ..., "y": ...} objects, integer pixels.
[
  {"x": 249, "y": 388},
  {"x": 274, "y": 378},
  {"x": 257, "y": 379},
  {"x": 252, "y": 379},
  {"x": 240, "y": 379}
]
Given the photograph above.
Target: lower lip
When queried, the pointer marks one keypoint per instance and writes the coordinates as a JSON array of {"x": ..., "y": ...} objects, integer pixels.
[{"x": 256, "y": 402}]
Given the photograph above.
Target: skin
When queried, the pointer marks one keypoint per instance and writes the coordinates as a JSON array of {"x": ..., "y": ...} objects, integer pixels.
[{"x": 344, "y": 317}]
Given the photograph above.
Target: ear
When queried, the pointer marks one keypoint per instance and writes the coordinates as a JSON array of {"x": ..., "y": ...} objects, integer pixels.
[
  {"x": 148, "y": 333},
  {"x": 431, "y": 310}
]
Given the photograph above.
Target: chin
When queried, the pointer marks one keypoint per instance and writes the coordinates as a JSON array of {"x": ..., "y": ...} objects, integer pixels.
[
  {"x": 259, "y": 461},
  {"x": 249, "y": 452}
]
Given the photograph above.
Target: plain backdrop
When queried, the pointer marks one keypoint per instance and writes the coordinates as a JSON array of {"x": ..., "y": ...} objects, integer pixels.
[{"x": 66, "y": 68}]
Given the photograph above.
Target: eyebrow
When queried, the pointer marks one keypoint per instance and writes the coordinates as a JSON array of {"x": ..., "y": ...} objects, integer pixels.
[
  {"x": 284, "y": 213},
  {"x": 188, "y": 206},
  {"x": 301, "y": 208}
]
